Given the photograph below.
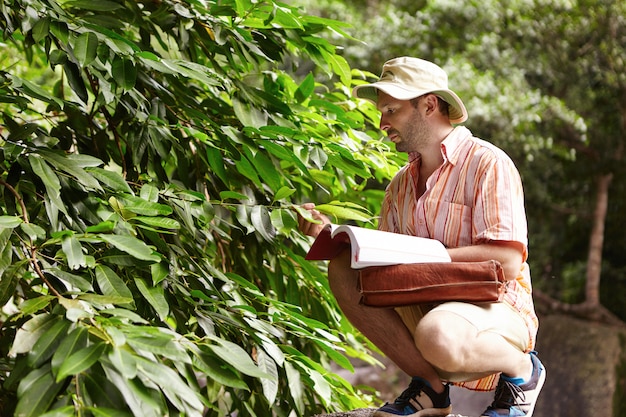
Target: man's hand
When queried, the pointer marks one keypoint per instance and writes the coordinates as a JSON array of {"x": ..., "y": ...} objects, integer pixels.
[{"x": 309, "y": 228}]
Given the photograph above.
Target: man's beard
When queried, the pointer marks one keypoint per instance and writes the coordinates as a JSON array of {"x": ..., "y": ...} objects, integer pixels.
[{"x": 415, "y": 135}]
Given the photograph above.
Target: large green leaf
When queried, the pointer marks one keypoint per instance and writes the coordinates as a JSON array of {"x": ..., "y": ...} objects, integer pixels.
[
  {"x": 111, "y": 284},
  {"x": 47, "y": 343},
  {"x": 10, "y": 222},
  {"x": 75, "y": 340},
  {"x": 124, "y": 73},
  {"x": 73, "y": 252},
  {"x": 155, "y": 296},
  {"x": 238, "y": 358},
  {"x": 132, "y": 246},
  {"x": 270, "y": 385},
  {"x": 81, "y": 360},
  {"x": 72, "y": 166},
  {"x": 85, "y": 48},
  {"x": 36, "y": 393},
  {"x": 30, "y": 332}
]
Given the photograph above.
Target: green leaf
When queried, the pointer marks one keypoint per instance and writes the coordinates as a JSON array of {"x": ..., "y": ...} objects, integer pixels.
[
  {"x": 41, "y": 29},
  {"x": 214, "y": 369},
  {"x": 98, "y": 6},
  {"x": 172, "y": 384},
  {"x": 306, "y": 88},
  {"x": 124, "y": 362},
  {"x": 159, "y": 272},
  {"x": 35, "y": 304},
  {"x": 80, "y": 361},
  {"x": 238, "y": 358},
  {"x": 132, "y": 246},
  {"x": 262, "y": 223},
  {"x": 33, "y": 231},
  {"x": 216, "y": 162},
  {"x": 159, "y": 222},
  {"x": 224, "y": 195},
  {"x": 102, "y": 227},
  {"x": 124, "y": 73},
  {"x": 283, "y": 193},
  {"x": 30, "y": 332},
  {"x": 137, "y": 396},
  {"x": 155, "y": 296},
  {"x": 47, "y": 343},
  {"x": 160, "y": 343},
  {"x": 9, "y": 273},
  {"x": 49, "y": 179},
  {"x": 70, "y": 165},
  {"x": 143, "y": 207},
  {"x": 10, "y": 222},
  {"x": 245, "y": 168},
  {"x": 295, "y": 386},
  {"x": 36, "y": 393},
  {"x": 111, "y": 284},
  {"x": 74, "y": 341},
  {"x": 267, "y": 365},
  {"x": 74, "y": 252},
  {"x": 34, "y": 91},
  {"x": 75, "y": 80},
  {"x": 75, "y": 280},
  {"x": 341, "y": 211},
  {"x": 86, "y": 47},
  {"x": 111, "y": 179},
  {"x": 67, "y": 411}
]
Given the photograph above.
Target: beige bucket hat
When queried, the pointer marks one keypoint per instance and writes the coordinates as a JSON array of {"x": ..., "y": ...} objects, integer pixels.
[{"x": 405, "y": 78}]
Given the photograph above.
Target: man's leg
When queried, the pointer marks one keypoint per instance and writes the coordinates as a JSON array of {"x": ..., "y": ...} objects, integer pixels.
[
  {"x": 382, "y": 326},
  {"x": 455, "y": 346},
  {"x": 426, "y": 395},
  {"x": 466, "y": 341}
]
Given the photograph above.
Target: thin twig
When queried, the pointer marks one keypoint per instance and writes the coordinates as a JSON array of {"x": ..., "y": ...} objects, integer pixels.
[{"x": 31, "y": 248}]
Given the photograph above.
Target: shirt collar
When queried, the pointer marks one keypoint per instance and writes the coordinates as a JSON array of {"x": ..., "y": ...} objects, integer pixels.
[{"x": 451, "y": 144}]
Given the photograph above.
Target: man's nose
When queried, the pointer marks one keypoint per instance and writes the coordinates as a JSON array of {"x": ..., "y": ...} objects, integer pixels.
[{"x": 384, "y": 124}]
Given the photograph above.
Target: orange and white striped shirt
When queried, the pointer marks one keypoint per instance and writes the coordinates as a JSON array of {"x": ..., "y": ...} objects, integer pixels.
[{"x": 474, "y": 197}]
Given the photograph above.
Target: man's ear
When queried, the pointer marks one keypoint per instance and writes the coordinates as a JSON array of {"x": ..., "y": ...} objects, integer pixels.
[{"x": 431, "y": 102}]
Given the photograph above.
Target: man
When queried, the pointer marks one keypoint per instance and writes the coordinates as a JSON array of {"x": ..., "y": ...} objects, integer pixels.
[{"x": 466, "y": 193}]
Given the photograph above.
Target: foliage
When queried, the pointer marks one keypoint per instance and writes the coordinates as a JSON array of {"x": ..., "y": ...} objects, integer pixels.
[{"x": 153, "y": 157}]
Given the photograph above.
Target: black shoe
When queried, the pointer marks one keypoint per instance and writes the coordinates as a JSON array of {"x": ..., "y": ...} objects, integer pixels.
[
  {"x": 418, "y": 400},
  {"x": 512, "y": 400}
]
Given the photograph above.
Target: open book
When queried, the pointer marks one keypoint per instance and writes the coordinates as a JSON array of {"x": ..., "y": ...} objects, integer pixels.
[{"x": 372, "y": 247}]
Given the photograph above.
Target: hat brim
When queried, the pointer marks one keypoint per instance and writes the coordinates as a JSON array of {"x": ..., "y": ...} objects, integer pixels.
[{"x": 457, "y": 111}]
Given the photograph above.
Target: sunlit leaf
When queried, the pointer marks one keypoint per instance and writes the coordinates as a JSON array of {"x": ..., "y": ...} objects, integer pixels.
[{"x": 132, "y": 246}]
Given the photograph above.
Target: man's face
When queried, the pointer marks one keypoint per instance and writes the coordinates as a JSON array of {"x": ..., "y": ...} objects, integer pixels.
[{"x": 403, "y": 122}]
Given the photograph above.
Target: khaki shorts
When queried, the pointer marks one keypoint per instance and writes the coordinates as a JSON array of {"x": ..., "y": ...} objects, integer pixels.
[{"x": 499, "y": 318}]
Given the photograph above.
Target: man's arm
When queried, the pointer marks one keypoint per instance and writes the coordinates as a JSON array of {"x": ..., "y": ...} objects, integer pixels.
[{"x": 509, "y": 254}]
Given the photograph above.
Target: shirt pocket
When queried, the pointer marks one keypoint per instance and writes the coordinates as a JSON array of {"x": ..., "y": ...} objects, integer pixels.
[{"x": 450, "y": 223}]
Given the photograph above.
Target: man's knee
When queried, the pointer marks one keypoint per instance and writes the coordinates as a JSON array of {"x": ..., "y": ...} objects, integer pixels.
[{"x": 440, "y": 337}]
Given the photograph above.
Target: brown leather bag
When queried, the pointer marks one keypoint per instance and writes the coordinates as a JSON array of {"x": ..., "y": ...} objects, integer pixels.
[{"x": 429, "y": 283}]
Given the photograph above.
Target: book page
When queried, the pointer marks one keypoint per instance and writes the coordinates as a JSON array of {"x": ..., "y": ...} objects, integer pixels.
[
  {"x": 372, "y": 247},
  {"x": 375, "y": 247}
]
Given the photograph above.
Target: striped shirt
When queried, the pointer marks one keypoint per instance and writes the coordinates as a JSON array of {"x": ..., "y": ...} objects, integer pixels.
[{"x": 474, "y": 197}]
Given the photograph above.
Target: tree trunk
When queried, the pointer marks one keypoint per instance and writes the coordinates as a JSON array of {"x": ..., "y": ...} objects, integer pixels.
[{"x": 596, "y": 241}]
